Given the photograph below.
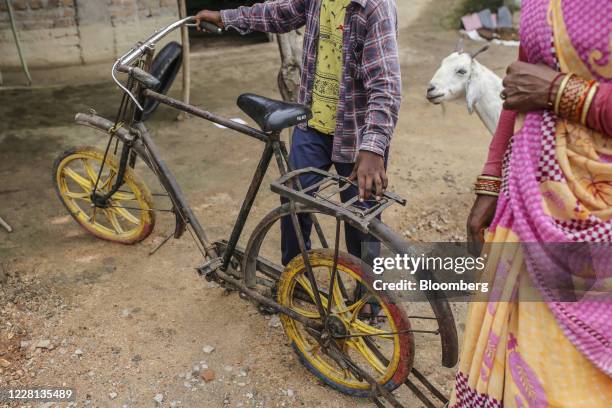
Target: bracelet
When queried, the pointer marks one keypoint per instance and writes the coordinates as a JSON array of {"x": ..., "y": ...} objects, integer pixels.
[
  {"x": 564, "y": 82},
  {"x": 487, "y": 185},
  {"x": 571, "y": 97},
  {"x": 550, "y": 99},
  {"x": 588, "y": 102}
]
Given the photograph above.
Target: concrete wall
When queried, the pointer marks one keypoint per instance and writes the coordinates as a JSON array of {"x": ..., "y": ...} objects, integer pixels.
[{"x": 73, "y": 32}]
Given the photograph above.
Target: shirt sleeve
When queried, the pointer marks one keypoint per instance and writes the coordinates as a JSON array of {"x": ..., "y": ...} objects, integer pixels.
[
  {"x": 600, "y": 112},
  {"x": 501, "y": 139},
  {"x": 499, "y": 144},
  {"x": 278, "y": 16},
  {"x": 382, "y": 79}
]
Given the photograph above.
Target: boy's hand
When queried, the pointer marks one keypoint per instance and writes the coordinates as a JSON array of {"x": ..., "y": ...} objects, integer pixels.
[
  {"x": 209, "y": 16},
  {"x": 369, "y": 171}
]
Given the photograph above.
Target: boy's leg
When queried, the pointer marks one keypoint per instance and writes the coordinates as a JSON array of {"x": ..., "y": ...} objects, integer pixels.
[
  {"x": 363, "y": 246},
  {"x": 309, "y": 148}
]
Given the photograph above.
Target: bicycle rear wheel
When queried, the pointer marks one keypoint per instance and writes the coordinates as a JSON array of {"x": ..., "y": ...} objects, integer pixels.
[
  {"x": 127, "y": 218},
  {"x": 383, "y": 349}
]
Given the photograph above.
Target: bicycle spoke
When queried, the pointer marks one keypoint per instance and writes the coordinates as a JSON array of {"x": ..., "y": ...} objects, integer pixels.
[
  {"x": 305, "y": 283},
  {"x": 80, "y": 180},
  {"x": 125, "y": 214},
  {"x": 365, "y": 351},
  {"x": 124, "y": 196},
  {"x": 112, "y": 218},
  {"x": 364, "y": 328},
  {"x": 78, "y": 196},
  {"x": 89, "y": 170}
]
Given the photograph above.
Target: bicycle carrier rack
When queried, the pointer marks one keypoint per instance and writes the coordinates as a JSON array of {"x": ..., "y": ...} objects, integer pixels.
[{"x": 324, "y": 195}]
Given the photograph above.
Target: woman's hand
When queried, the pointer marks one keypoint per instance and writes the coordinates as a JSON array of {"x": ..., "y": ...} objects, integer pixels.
[
  {"x": 527, "y": 87},
  {"x": 209, "y": 16},
  {"x": 480, "y": 218}
]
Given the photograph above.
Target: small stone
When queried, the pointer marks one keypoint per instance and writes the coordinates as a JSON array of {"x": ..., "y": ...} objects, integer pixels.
[
  {"x": 188, "y": 375},
  {"x": 249, "y": 395},
  {"x": 290, "y": 393},
  {"x": 78, "y": 352},
  {"x": 195, "y": 370},
  {"x": 243, "y": 371},
  {"x": 207, "y": 375},
  {"x": 112, "y": 395},
  {"x": 126, "y": 313},
  {"x": 43, "y": 344},
  {"x": 175, "y": 404},
  {"x": 187, "y": 384},
  {"x": 159, "y": 398},
  {"x": 274, "y": 321},
  {"x": 228, "y": 368},
  {"x": 208, "y": 349},
  {"x": 24, "y": 344}
]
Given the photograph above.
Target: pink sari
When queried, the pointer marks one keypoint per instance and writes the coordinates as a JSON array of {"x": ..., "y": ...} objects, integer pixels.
[{"x": 557, "y": 191}]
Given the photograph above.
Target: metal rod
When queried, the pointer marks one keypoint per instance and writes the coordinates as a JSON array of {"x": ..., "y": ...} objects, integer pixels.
[
  {"x": 269, "y": 302},
  {"x": 332, "y": 283},
  {"x": 212, "y": 117},
  {"x": 436, "y": 392},
  {"x": 24, "y": 64},
  {"x": 258, "y": 177}
]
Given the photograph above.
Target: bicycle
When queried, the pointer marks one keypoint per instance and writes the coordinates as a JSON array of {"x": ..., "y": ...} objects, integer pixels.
[{"x": 320, "y": 295}]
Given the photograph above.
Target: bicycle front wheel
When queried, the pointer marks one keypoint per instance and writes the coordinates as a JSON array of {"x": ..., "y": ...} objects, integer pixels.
[
  {"x": 126, "y": 218},
  {"x": 380, "y": 343}
]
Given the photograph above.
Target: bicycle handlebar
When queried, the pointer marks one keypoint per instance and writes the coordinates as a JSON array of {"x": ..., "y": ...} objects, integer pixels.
[{"x": 124, "y": 62}]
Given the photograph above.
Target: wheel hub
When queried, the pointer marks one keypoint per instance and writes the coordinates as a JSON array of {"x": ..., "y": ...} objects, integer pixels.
[
  {"x": 99, "y": 201},
  {"x": 336, "y": 327}
]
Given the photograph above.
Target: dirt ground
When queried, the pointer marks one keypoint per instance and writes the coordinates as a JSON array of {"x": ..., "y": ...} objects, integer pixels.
[{"x": 121, "y": 326}]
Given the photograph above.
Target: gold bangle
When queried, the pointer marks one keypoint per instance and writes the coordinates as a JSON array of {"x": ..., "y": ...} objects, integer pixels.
[
  {"x": 487, "y": 193},
  {"x": 587, "y": 103},
  {"x": 488, "y": 178},
  {"x": 564, "y": 82}
]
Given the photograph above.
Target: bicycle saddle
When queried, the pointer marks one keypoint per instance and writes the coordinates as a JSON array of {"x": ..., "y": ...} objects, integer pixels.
[{"x": 272, "y": 115}]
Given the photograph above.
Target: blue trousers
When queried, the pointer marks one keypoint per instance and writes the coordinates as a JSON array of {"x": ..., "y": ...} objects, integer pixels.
[{"x": 310, "y": 148}]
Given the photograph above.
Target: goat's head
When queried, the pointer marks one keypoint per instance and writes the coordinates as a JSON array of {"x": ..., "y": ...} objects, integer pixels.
[{"x": 452, "y": 78}]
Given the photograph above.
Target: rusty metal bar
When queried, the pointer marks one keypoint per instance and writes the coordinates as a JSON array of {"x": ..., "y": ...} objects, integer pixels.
[{"x": 212, "y": 117}]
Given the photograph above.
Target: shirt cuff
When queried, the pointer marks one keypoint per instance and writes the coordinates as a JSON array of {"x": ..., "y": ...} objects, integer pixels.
[
  {"x": 231, "y": 19},
  {"x": 375, "y": 143}
]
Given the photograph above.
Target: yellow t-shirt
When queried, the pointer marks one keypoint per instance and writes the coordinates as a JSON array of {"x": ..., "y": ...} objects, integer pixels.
[{"x": 328, "y": 74}]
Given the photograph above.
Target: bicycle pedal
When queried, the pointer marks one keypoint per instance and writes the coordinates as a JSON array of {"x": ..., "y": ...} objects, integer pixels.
[{"x": 207, "y": 271}]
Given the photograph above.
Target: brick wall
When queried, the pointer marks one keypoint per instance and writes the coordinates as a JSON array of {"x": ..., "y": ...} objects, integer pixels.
[{"x": 71, "y": 32}]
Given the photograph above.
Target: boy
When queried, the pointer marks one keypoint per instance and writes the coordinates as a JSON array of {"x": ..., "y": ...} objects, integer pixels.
[{"x": 350, "y": 79}]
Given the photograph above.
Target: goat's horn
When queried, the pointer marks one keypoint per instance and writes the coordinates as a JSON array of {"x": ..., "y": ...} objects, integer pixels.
[
  {"x": 460, "y": 45},
  {"x": 480, "y": 51}
]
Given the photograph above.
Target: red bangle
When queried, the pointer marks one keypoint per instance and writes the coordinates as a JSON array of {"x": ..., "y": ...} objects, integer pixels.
[{"x": 552, "y": 85}]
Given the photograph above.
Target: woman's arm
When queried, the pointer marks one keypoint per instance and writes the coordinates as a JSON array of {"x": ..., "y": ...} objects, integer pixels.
[
  {"x": 499, "y": 144},
  {"x": 600, "y": 113}
]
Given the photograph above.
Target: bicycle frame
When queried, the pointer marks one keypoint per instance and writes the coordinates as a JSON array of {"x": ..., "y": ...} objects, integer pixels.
[{"x": 137, "y": 142}]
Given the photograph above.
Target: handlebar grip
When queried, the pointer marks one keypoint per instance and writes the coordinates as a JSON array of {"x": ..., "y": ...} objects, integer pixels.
[
  {"x": 141, "y": 76},
  {"x": 210, "y": 27}
]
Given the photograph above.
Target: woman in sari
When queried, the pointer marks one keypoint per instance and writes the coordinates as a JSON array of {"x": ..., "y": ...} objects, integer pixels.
[{"x": 543, "y": 337}]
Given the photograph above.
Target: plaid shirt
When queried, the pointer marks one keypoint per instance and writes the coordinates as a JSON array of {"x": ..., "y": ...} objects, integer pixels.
[{"x": 370, "y": 92}]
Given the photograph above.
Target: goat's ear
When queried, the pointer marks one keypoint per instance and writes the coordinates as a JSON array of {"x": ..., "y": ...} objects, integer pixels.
[
  {"x": 480, "y": 51},
  {"x": 459, "y": 45},
  {"x": 472, "y": 94}
]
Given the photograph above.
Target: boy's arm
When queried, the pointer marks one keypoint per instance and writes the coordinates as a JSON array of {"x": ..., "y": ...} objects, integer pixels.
[
  {"x": 382, "y": 79},
  {"x": 278, "y": 16}
]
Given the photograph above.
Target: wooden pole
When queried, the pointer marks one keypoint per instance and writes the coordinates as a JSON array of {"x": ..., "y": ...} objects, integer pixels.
[
  {"x": 24, "y": 65},
  {"x": 186, "y": 59}
]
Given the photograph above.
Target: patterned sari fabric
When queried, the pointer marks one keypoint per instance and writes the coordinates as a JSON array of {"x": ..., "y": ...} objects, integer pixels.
[{"x": 557, "y": 191}]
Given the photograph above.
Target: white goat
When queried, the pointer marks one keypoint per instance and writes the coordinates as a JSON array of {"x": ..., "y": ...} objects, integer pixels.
[{"x": 461, "y": 75}]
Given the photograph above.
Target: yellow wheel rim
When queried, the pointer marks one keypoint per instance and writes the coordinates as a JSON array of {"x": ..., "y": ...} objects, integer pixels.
[
  {"x": 128, "y": 217},
  {"x": 294, "y": 286}
]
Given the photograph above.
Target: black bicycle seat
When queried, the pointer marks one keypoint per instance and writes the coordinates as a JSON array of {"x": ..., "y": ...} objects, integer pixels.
[{"x": 272, "y": 115}]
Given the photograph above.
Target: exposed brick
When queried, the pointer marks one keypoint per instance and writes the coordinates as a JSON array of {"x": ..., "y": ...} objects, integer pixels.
[
  {"x": 20, "y": 4},
  {"x": 63, "y": 22},
  {"x": 36, "y": 4}
]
